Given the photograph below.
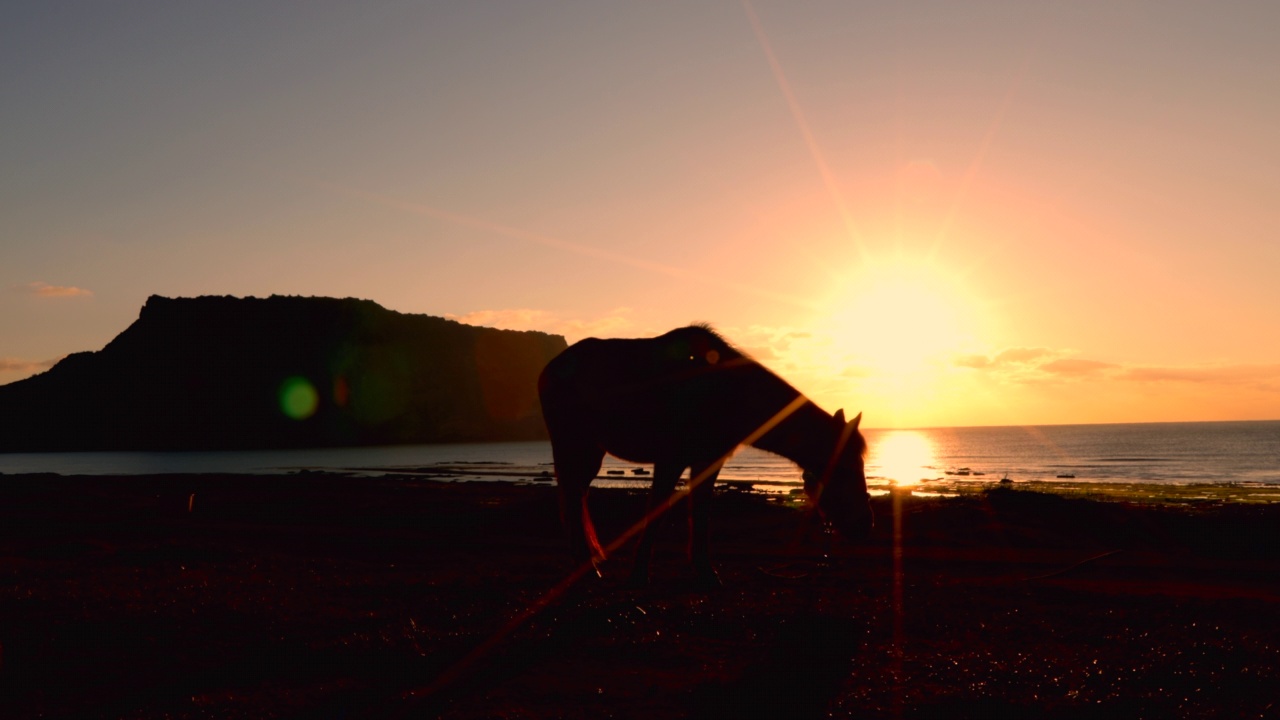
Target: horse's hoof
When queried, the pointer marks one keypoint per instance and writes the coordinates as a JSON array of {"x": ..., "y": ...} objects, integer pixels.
[
  {"x": 586, "y": 571},
  {"x": 708, "y": 579},
  {"x": 637, "y": 580}
]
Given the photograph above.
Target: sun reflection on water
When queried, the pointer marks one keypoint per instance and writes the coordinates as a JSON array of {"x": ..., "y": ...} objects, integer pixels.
[{"x": 902, "y": 457}]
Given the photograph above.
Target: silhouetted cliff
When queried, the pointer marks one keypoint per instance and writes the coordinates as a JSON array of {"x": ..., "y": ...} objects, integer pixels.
[{"x": 223, "y": 372}]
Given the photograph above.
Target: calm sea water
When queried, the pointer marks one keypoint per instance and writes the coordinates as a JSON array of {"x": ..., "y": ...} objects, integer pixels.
[{"x": 1144, "y": 453}]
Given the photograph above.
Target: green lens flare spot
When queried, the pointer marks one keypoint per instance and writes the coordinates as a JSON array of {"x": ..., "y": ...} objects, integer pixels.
[{"x": 298, "y": 398}]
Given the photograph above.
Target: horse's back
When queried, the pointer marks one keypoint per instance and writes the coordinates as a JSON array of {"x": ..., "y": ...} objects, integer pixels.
[
  {"x": 596, "y": 372},
  {"x": 642, "y": 399}
]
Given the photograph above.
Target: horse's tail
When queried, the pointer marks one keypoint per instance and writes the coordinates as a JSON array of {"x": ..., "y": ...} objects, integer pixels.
[{"x": 589, "y": 531}]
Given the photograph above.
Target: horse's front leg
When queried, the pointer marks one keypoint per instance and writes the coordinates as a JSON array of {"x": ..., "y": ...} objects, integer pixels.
[
  {"x": 661, "y": 498},
  {"x": 704, "y": 480}
]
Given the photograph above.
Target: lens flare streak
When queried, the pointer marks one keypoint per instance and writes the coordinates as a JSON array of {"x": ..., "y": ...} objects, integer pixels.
[{"x": 458, "y": 669}]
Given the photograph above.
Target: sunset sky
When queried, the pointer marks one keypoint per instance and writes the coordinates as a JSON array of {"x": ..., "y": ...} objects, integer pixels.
[{"x": 938, "y": 214}]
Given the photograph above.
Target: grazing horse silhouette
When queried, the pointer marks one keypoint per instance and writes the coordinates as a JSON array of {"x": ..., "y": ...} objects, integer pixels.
[{"x": 688, "y": 399}]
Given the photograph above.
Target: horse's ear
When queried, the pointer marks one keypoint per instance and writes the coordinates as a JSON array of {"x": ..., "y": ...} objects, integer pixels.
[
  {"x": 839, "y": 417},
  {"x": 854, "y": 422}
]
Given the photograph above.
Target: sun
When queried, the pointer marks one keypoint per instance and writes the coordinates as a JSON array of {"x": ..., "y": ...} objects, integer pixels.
[
  {"x": 895, "y": 315},
  {"x": 901, "y": 315},
  {"x": 896, "y": 323},
  {"x": 903, "y": 457}
]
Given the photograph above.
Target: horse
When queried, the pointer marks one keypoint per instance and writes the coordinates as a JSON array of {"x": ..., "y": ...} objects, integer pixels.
[{"x": 689, "y": 399}]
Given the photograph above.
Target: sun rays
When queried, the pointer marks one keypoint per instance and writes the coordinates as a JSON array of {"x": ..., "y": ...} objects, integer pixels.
[
  {"x": 894, "y": 319},
  {"x": 880, "y": 293},
  {"x": 802, "y": 125},
  {"x": 527, "y": 236}
]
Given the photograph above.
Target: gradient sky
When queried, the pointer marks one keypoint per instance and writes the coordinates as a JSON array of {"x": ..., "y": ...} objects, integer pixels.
[{"x": 936, "y": 213}]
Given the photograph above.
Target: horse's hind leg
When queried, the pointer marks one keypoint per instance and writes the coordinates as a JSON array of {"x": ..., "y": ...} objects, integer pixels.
[
  {"x": 575, "y": 469},
  {"x": 699, "y": 522},
  {"x": 665, "y": 477}
]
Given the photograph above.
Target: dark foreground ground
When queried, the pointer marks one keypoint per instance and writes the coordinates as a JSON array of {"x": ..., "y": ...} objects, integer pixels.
[{"x": 247, "y": 597}]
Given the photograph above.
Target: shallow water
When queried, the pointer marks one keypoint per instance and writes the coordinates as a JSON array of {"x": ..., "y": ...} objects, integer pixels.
[{"x": 1158, "y": 453}]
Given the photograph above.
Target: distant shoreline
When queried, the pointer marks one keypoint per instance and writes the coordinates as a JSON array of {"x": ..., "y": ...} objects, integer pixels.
[{"x": 1180, "y": 494}]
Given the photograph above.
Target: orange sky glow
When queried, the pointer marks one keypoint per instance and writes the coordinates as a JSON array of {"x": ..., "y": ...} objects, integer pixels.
[{"x": 953, "y": 214}]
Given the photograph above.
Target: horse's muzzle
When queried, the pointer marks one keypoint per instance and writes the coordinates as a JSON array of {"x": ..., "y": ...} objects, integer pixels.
[{"x": 853, "y": 523}]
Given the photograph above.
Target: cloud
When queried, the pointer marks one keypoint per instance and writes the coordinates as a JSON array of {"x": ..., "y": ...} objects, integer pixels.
[
  {"x": 977, "y": 362},
  {"x": 1035, "y": 364},
  {"x": 1021, "y": 355},
  {"x": 766, "y": 343},
  {"x": 761, "y": 353},
  {"x": 855, "y": 371},
  {"x": 509, "y": 319},
  {"x": 1029, "y": 364},
  {"x": 1074, "y": 367},
  {"x": 573, "y": 329},
  {"x": 16, "y": 365},
  {"x": 1004, "y": 358},
  {"x": 1265, "y": 377},
  {"x": 1043, "y": 365},
  {"x": 41, "y": 289}
]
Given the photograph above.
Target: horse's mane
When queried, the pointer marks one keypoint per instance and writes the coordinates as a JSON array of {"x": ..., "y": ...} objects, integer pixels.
[
  {"x": 717, "y": 341},
  {"x": 727, "y": 350}
]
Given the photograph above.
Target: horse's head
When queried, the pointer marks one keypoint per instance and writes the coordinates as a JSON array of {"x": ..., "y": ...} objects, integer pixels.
[{"x": 840, "y": 488}]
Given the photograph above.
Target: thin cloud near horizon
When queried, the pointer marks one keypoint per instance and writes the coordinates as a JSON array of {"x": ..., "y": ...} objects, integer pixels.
[
  {"x": 18, "y": 365},
  {"x": 609, "y": 325},
  {"x": 43, "y": 289},
  {"x": 1033, "y": 364}
]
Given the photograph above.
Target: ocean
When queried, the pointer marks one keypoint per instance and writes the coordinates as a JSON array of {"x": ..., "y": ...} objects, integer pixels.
[{"x": 1154, "y": 453}]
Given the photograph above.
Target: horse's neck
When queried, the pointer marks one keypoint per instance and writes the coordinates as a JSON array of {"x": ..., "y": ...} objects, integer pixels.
[{"x": 805, "y": 437}]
